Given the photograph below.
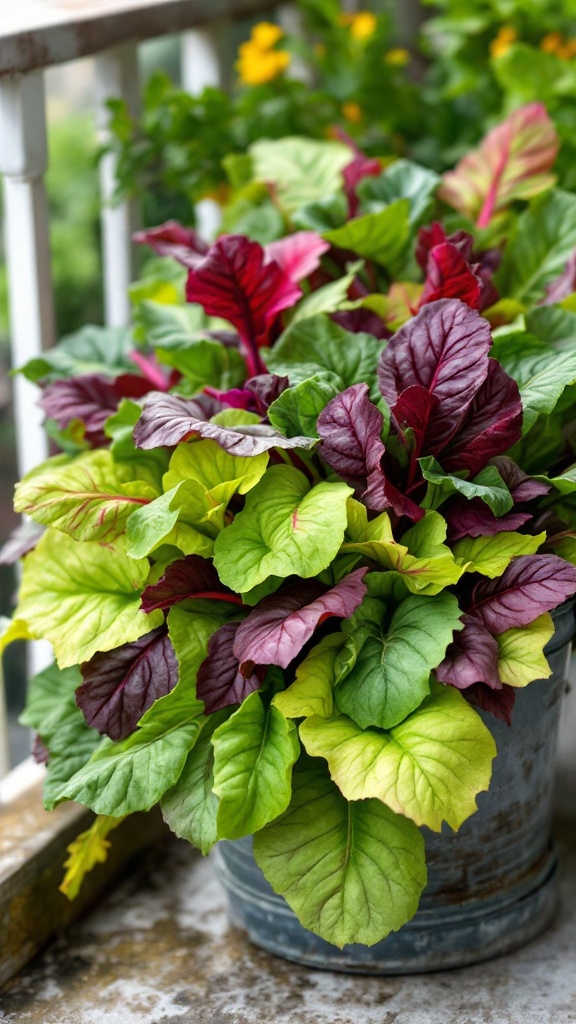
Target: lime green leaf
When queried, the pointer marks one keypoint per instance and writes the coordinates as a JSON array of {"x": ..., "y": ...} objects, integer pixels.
[
  {"x": 390, "y": 677},
  {"x": 11, "y": 630},
  {"x": 328, "y": 298},
  {"x": 301, "y": 170},
  {"x": 87, "y": 497},
  {"x": 431, "y": 767},
  {"x": 539, "y": 247},
  {"x": 381, "y": 236},
  {"x": 352, "y": 872},
  {"x": 83, "y": 597},
  {"x": 88, "y": 849},
  {"x": 178, "y": 517},
  {"x": 521, "y": 657},
  {"x": 285, "y": 528},
  {"x": 491, "y": 555},
  {"x": 218, "y": 474},
  {"x": 426, "y": 568},
  {"x": 297, "y": 409},
  {"x": 311, "y": 691},
  {"x": 190, "y": 808},
  {"x": 253, "y": 756}
]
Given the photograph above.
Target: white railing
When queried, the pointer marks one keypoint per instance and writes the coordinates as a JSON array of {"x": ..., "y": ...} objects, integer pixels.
[{"x": 39, "y": 34}]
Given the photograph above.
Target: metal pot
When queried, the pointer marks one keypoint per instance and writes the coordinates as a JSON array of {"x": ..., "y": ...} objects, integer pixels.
[{"x": 491, "y": 885}]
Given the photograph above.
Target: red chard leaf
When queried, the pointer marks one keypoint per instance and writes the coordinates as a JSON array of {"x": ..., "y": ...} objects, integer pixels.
[
  {"x": 493, "y": 423},
  {"x": 471, "y": 658},
  {"x": 413, "y": 410},
  {"x": 444, "y": 349},
  {"x": 172, "y": 239},
  {"x": 521, "y": 486},
  {"x": 531, "y": 585},
  {"x": 353, "y": 173},
  {"x": 167, "y": 420},
  {"x": 512, "y": 162},
  {"x": 186, "y": 578},
  {"x": 234, "y": 282},
  {"x": 120, "y": 685},
  {"x": 221, "y": 681},
  {"x": 361, "y": 321},
  {"x": 450, "y": 276},
  {"x": 92, "y": 399},
  {"x": 433, "y": 235},
  {"x": 350, "y": 428},
  {"x": 276, "y": 631},
  {"x": 496, "y": 702},
  {"x": 474, "y": 519},
  {"x": 297, "y": 255},
  {"x": 266, "y": 388}
]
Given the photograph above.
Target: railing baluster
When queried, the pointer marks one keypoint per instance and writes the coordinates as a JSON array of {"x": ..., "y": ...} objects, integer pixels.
[
  {"x": 23, "y": 161},
  {"x": 4, "y": 734},
  {"x": 116, "y": 78}
]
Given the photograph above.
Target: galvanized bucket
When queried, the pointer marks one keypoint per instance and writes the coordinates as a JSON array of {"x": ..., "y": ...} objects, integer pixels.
[{"x": 491, "y": 886}]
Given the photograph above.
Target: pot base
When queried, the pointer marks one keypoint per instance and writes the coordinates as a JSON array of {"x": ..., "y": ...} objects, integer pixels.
[{"x": 437, "y": 938}]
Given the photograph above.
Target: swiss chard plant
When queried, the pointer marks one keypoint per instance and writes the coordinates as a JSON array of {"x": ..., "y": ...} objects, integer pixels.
[{"x": 307, "y": 527}]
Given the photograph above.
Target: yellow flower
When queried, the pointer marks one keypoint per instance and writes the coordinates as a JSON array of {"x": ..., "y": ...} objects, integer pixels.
[
  {"x": 363, "y": 25},
  {"x": 258, "y": 61},
  {"x": 503, "y": 41},
  {"x": 352, "y": 112},
  {"x": 397, "y": 58},
  {"x": 265, "y": 35},
  {"x": 256, "y": 66},
  {"x": 319, "y": 50},
  {"x": 551, "y": 42}
]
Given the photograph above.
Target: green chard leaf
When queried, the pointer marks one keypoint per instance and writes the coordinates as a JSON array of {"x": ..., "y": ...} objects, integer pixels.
[
  {"x": 540, "y": 370},
  {"x": 88, "y": 497},
  {"x": 297, "y": 409},
  {"x": 352, "y": 872},
  {"x": 190, "y": 809},
  {"x": 83, "y": 597},
  {"x": 381, "y": 237},
  {"x": 302, "y": 170},
  {"x": 285, "y": 528},
  {"x": 401, "y": 180},
  {"x": 254, "y": 752},
  {"x": 393, "y": 657},
  {"x": 431, "y": 767},
  {"x": 179, "y": 517},
  {"x": 318, "y": 345},
  {"x": 488, "y": 485},
  {"x": 539, "y": 247}
]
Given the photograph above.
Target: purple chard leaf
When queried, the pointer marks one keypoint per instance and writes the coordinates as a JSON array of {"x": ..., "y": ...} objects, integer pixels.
[
  {"x": 221, "y": 680},
  {"x": 119, "y": 686},
  {"x": 471, "y": 658},
  {"x": 496, "y": 702},
  {"x": 186, "y": 578},
  {"x": 277, "y": 629},
  {"x": 531, "y": 585}
]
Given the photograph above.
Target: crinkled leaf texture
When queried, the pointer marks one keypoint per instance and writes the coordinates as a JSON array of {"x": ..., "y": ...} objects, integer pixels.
[
  {"x": 431, "y": 767},
  {"x": 85, "y": 497},
  {"x": 254, "y": 752},
  {"x": 277, "y": 629},
  {"x": 352, "y": 872},
  {"x": 167, "y": 420},
  {"x": 119, "y": 686},
  {"x": 390, "y": 677},
  {"x": 514, "y": 161},
  {"x": 83, "y": 597},
  {"x": 286, "y": 527},
  {"x": 318, "y": 345}
]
